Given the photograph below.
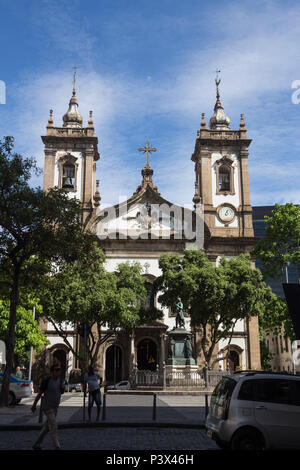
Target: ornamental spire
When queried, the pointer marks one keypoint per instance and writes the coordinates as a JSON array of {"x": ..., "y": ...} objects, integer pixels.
[
  {"x": 72, "y": 118},
  {"x": 219, "y": 120}
]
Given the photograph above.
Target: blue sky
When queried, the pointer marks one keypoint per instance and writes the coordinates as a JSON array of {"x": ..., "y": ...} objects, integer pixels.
[{"x": 147, "y": 69}]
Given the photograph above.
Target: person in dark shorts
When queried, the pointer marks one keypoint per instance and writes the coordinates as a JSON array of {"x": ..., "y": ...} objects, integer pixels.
[
  {"x": 92, "y": 383},
  {"x": 51, "y": 389}
]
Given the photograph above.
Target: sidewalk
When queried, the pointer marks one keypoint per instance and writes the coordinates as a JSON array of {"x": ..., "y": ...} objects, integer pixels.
[{"x": 181, "y": 409}]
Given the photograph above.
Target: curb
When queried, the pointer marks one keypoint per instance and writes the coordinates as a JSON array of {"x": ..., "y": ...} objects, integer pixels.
[
  {"x": 34, "y": 427},
  {"x": 160, "y": 392}
]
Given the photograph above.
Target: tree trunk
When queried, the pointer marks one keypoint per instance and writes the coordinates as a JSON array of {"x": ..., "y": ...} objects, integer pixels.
[{"x": 10, "y": 340}]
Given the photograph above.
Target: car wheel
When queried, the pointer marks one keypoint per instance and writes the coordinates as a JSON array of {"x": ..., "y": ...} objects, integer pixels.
[
  {"x": 246, "y": 439},
  {"x": 11, "y": 399}
]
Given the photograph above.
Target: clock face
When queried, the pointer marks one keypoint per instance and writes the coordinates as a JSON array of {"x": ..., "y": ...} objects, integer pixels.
[{"x": 226, "y": 213}]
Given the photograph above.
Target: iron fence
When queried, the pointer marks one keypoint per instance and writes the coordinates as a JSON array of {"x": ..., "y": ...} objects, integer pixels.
[{"x": 189, "y": 379}]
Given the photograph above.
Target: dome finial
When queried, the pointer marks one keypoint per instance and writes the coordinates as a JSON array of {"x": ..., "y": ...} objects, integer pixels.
[
  {"x": 218, "y": 81},
  {"x": 219, "y": 120},
  {"x": 74, "y": 81},
  {"x": 72, "y": 118}
]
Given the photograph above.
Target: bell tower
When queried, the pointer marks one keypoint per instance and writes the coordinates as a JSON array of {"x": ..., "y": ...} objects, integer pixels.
[
  {"x": 71, "y": 152},
  {"x": 221, "y": 175}
]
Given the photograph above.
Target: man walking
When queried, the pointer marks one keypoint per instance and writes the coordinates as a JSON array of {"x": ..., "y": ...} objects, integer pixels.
[
  {"x": 51, "y": 389},
  {"x": 92, "y": 382}
]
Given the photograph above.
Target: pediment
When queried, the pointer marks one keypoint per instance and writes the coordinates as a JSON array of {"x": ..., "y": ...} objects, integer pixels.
[{"x": 145, "y": 215}]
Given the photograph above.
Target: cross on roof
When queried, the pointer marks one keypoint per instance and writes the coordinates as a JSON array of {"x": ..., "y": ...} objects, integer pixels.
[{"x": 147, "y": 150}]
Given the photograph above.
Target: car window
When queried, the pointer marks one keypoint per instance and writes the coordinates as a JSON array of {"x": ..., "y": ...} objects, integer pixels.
[
  {"x": 246, "y": 391},
  {"x": 295, "y": 392},
  {"x": 272, "y": 391},
  {"x": 223, "y": 390},
  {"x": 123, "y": 383}
]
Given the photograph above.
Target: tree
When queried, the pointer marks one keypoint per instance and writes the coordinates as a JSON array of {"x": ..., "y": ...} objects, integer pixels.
[
  {"x": 34, "y": 225},
  {"x": 276, "y": 316},
  {"x": 215, "y": 297},
  {"x": 281, "y": 244},
  {"x": 27, "y": 331},
  {"x": 279, "y": 248},
  {"x": 84, "y": 292}
]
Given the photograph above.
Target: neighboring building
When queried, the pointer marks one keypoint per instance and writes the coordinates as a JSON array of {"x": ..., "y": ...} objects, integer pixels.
[
  {"x": 221, "y": 203},
  {"x": 279, "y": 345}
]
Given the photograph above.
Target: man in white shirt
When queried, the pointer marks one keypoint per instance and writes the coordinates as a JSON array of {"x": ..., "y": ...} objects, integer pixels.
[{"x": 92, "y": 383}]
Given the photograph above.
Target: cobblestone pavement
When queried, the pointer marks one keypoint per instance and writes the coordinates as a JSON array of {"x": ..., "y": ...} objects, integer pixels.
[{"x": 141, "y": 438}]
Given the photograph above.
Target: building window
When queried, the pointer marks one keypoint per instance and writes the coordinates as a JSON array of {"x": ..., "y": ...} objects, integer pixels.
[
  {"x": 225, "y": 176},
  {"x": 150, "y": 301},
  {"x": 68, "y": 169},
  {"x": 281, "y": 344},
  {"x": 286, "y": 343},
  {"x": 68, "y": 178}
]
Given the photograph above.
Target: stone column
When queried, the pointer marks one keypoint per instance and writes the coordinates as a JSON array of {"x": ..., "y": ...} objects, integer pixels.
[{"x": 49, "y": 168}]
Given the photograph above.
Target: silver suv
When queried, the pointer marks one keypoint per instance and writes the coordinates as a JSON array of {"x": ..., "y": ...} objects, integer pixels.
[{"x": 256, "y": 410}]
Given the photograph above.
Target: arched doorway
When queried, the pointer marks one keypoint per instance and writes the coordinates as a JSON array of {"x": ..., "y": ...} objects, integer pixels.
[
  {"x": 59, "y": 356},
  {"x": 233, "y": 361},
  {"x": 113, "y": 364},
  {"x": 146, "y": 355}
]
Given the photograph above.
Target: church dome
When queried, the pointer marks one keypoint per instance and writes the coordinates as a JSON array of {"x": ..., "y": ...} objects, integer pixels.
[
  {"x": 72, "y": 118},
  {"x": 219, "y": 120}
]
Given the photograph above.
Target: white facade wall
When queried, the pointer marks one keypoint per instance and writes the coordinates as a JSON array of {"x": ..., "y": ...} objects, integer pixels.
[
  {"x": 219, "y": 199},
  {"x": 153, "y": 269}
]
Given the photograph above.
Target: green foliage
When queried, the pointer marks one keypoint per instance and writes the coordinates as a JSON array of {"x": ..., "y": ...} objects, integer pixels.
[
  {"x": 275, "y": 316},
  {"x": 281, "y": 244},
  {"x": 265, "y": 356},
  {"x": 27, "y": 329},
  {"x": 34, "y": 225},
  {"x": 214, "y": 297},
  {"x": 84, "y": 291}
]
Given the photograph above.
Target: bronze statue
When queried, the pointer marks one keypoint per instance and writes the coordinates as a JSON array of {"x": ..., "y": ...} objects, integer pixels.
[
  {"x": 179, "y": 315},
  {"x": 188, "y": 348}
]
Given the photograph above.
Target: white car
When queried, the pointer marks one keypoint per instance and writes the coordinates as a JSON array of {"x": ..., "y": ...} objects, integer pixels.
[
  {"x": 124, "y": 385},
  {"x": 18, "y": 389},
  {"x": 255, "y": 411}
]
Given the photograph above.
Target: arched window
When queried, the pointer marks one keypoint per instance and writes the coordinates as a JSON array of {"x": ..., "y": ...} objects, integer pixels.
[
  {"x": 68, "y": 172},
  {"x": 225, "y": 175},
  {"x": 224, "y": 178},
  {"x": 150, "y": 296},
  {"x": 68, "y": 176}
]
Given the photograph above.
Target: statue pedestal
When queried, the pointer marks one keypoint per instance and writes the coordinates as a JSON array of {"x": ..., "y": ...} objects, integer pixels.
[
  {"x": 180, "y": 349},
  {"x": 181, "y": 369}
]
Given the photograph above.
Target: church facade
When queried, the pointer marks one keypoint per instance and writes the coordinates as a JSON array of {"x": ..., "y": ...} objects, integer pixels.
[{"x": 147, "y": 226}]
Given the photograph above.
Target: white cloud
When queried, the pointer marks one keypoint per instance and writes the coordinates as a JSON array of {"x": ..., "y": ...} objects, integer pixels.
[{"x": 256, "y": 49}]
